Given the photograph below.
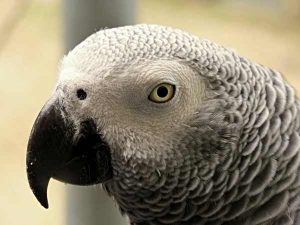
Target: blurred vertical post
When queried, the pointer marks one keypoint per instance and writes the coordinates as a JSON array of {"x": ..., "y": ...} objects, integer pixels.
[{"x": 89, "y": 205}]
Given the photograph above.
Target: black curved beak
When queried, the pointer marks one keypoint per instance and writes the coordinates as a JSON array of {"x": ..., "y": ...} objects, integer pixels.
[{"x": 56, "y": 151}]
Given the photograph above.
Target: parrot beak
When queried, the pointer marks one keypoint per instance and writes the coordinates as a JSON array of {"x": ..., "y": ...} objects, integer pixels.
[{"x": 54, "y": 151}]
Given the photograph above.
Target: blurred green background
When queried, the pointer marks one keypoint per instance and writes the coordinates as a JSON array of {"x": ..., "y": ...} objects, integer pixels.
[{"x": 31, "y": 46}]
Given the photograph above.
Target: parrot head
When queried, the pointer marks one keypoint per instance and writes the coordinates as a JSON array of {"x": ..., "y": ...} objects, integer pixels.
[
  {"x": 145, "y": 111},
  {"x": 129, "y": 106}
]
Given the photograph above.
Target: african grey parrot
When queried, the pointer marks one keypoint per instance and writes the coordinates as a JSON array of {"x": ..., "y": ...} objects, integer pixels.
[{"x": 179, "y": 130}]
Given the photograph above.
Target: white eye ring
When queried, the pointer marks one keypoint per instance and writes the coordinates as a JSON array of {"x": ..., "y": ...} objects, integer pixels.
[{"x": 162, "y": 93}]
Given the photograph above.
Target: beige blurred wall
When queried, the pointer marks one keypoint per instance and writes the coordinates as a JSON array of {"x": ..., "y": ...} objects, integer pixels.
[
  {"x": 292, "y": 7},
  {"x": 28, "y": 70}
]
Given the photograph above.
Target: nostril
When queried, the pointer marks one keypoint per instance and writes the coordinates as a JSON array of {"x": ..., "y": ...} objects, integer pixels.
[{"x": 81, "y": 94}]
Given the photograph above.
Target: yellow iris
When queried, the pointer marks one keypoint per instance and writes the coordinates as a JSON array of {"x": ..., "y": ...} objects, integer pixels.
[{"x": 162, "y": 93}]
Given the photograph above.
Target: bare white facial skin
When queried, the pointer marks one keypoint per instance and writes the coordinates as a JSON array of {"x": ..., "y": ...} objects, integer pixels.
[{"x": 117, "y": 98}]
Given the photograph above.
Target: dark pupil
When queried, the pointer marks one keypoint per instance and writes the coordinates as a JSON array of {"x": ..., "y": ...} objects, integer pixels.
[
  {"x": 81, "y": 94},
  {"x": 162, "y": 92}
]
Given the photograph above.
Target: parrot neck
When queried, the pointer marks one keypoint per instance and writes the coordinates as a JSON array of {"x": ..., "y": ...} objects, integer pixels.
[{"x": 199, "y": 194}]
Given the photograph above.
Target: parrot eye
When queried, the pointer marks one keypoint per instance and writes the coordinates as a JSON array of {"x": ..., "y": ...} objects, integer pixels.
[
  {"x": 81, "y": 94},
  {"x": 162, "y": 93}
]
